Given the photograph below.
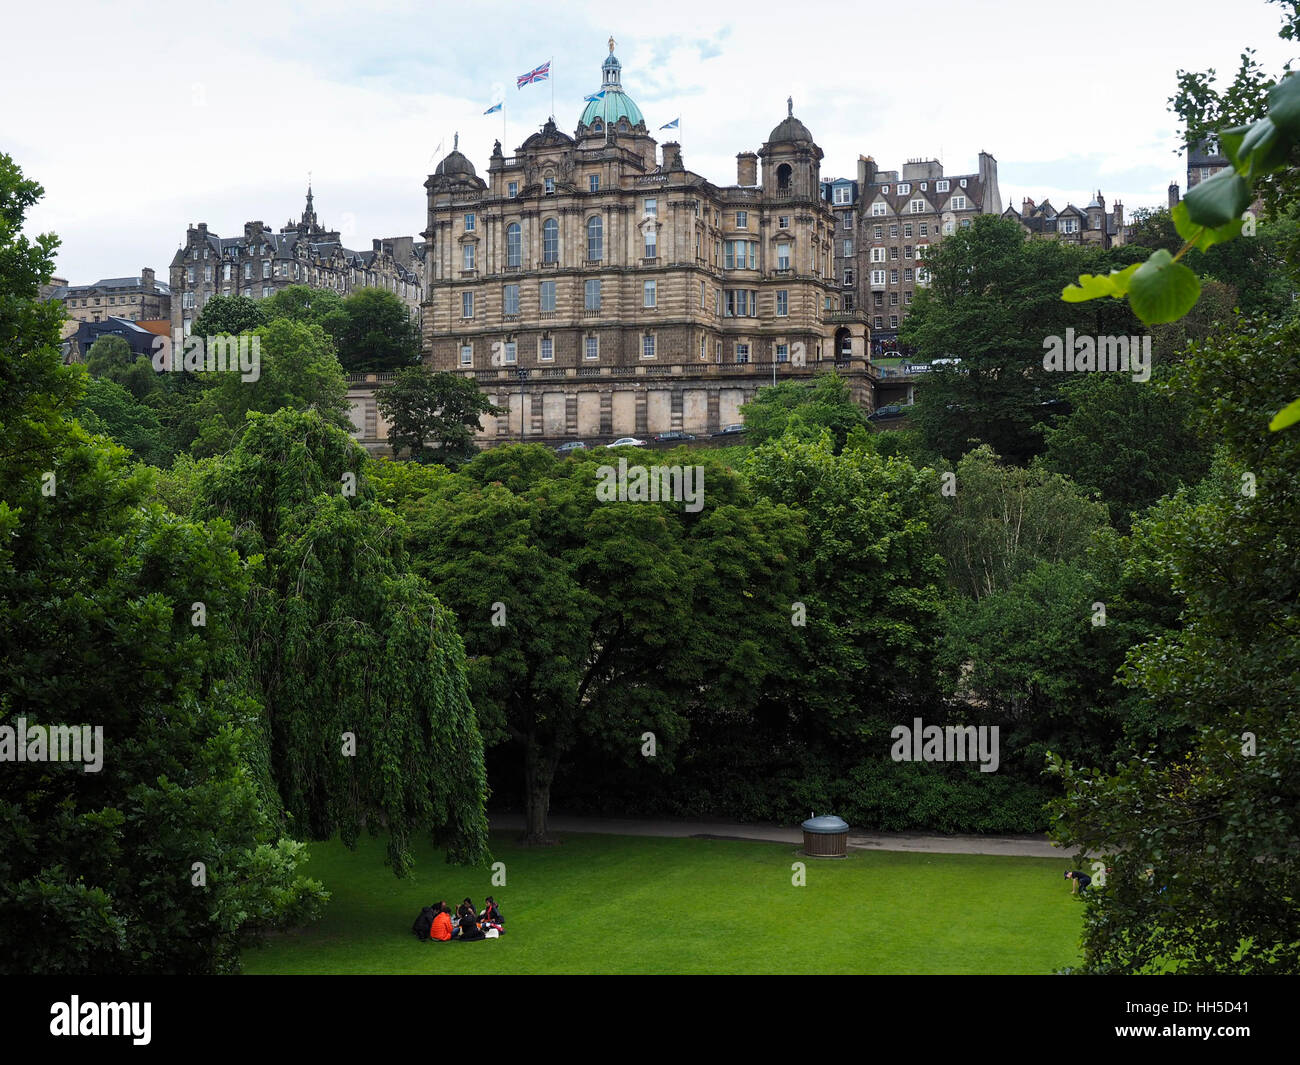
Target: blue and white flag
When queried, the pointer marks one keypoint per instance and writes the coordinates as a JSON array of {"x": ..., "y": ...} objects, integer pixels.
[
  {"x": 536, "y": 74},
  {"x": 494, "y": 107},
  {"x": 672, "y": 124},
  {"x": 594, "y": 97}
]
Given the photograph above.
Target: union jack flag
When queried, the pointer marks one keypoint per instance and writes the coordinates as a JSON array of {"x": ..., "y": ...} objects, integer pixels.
[{"x": 536, "y": 74}]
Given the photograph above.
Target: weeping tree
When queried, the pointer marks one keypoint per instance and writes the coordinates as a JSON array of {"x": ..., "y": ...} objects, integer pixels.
[{"x": 368, "y": 720}]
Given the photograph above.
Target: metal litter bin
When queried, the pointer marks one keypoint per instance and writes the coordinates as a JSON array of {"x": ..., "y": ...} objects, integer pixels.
[{"x": 825, "y": 837}]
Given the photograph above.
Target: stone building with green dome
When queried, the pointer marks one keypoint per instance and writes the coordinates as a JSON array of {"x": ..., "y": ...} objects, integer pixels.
[{"x": 596, "y": 287}]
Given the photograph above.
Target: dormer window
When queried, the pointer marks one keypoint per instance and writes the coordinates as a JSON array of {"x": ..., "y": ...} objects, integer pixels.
[
  {"x": 941, "y": 186},
  {"x": 904, "y": 188}
]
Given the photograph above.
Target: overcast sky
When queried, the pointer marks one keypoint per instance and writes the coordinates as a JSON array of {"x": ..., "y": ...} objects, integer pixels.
[{"x": 140, "y": 118}]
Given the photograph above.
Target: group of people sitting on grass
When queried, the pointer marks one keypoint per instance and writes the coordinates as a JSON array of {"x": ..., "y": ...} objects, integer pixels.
[{"x": 438, "y": 923}]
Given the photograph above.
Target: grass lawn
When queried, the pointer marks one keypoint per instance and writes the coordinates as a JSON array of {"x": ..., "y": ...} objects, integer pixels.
[{"x": 616, "y": 904}]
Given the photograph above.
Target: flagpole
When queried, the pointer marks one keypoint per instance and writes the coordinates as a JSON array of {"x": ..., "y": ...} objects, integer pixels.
[{"x": 551, "y": 79}]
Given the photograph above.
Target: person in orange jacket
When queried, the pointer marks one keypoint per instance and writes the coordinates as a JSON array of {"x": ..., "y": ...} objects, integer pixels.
[{"x": 441, "y": 929}]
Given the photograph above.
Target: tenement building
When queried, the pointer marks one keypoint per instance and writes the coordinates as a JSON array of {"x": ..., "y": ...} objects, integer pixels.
[
  {"x": 136, "y": 299},
  {"x": 1093, "y": 224},
  {"x": 899, "y": 218},
  {"x": 259, "y": 262},
  {"x": 598, "y": 284}
]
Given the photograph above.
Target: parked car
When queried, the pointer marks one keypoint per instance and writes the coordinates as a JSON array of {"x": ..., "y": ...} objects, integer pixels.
[
  {"x": 728, "y": 430},
  {"x": 675, "y": 434},
  {"x": 890, "y": 410},
  {"x": 570, "y": 445},
  {"x": 628, "y": 441}
]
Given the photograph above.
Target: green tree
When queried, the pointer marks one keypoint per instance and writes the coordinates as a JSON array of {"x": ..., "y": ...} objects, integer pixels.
[
  {"x": 803, "y": 408},
  {"x": 297, "y": 369},
  {"x": 1128, "y": 441},
  {"x": 435, "y": 415},
  {"x": 302, "y": 303},
  {"x": 993, "y": 298},
  {"x": 97, "y": 596},
  {"x": 597, "y": 620},
  {"x": 111, "y": 358},
  {"x": 228, "y": 316},
  {"x": 376, "y": 332},
  {"x": 367, "y": 714},
  {"x": 109, "y": 409},
  {"x": 996, "y": 522}
]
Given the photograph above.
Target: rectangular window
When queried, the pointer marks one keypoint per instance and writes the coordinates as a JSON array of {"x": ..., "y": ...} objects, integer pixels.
[
  {"x": 467, "y": 305},
  {"x": 907, "y": 229},
  {"x": 591, "y": 347},
  {"x": 469, "y": 223},
  {"x": 225, "y": 272},
  {"x": 893, "y": 230},
  {"x": 187, "y": 301},
  {"x": 922, "y": 277},
  {"x": 925, "y": 229},
  {"x": 467, "y": 257},
  {"x": 893, "y": 277},
  {"x": 877, "y": 255},
  {"x": 843, "y": 194},
  {"x": 512, "y": 189},
  {"x": 648, "y": 293},
  {"x": 701, "y": 295},
  {"x": 591, "y": 296},
  {"x": 959, "y": 203},
  {"x": 893, "y": 253},
  {"x": 593, "y": 182},
  {"x": 782, "y": 303},
  {"x": 648, "y": 346},
  {"x": 893, "y": 299},
  {"x": 742, "y": 353},
  {"x": 510, "y": 354},
  {"x": 878, "y": 210},
  {"x": 652, "y": 208},
  {"x": 941, "y": 185},
  {"x": 917, "y": 207},
  {"x": 783, "y": 256},
  {"x": 783, "y": 221},
  {"x": 907, "y": 251},
  {"x": 546, "y": 296},
  {"x": 704, "y": 348},
  {"x": 848, "y": 220},
  {"x": 904, "y": 187},
  {"x": 877, "y": 277},
  {"x": 207, "y": 273},
  {"x": 877, "y": 232},
  {"x": 549, "y": 185},
  {"x": 467, "y": 354},
  {"x": 546, "y": 349},
  {"x": 651, "y": 243},
  {"x": 848, "y": 249},
  {"x": 907, "y": 297},
  {"x": 742, "y": 219},
  {"x": 783, "y": 353},
  {"x": 510, "y": 299},
  {"x": 189, "y": 275},
  {"x": 893, "y": 321}
]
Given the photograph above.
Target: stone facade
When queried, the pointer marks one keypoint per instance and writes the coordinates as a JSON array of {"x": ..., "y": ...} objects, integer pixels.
[
  {"x": 1093, "y": 224},
  {"x": 135, "y": 299},
  {"x": 259, "y": 263},
  {"x": 892, "y": 221},
  {"x": 604, "y": 288}
]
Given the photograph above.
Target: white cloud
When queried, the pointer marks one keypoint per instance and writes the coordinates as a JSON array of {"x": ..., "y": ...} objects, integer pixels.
[{"x": 142, "y": 119}]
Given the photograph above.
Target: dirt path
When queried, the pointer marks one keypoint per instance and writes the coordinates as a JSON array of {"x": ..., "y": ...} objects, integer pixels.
[{"x": 1021, "y": 846}]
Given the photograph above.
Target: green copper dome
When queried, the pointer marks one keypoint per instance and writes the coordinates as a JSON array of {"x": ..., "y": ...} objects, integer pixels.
[{"x": 615, "y": 104}]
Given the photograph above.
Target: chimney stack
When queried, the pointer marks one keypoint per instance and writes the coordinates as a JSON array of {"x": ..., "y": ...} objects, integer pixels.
[
  {"x": 672, "y": 156},
  {"x": 147, "y": 279},
  {"x": 1173, "y": 195},
  {"x": 746, "y": 168}
]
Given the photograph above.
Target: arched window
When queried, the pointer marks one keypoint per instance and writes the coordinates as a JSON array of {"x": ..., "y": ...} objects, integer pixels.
[
  {"x": 622, "y": 125},
  {"x": 597, "y": 126},
  {"x": 595, "y": 238},
  {"x": 550, "y": 241},
  {"x": 514, "y": 245},
  {"x": 783, "y": 176}
]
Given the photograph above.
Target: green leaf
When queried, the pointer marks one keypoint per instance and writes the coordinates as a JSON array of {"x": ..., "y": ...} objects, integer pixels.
[
  {"x": 1162, "y": 290},
  {"x": 1202, "y": 237},
  {"x": 1284, "y": 107},
  {"x": 1286, "y": 417},
  {"x": 1230, "y": 143},
  {"x": 1095, "y": 286},
  {"x": 1219, "y": 200}
]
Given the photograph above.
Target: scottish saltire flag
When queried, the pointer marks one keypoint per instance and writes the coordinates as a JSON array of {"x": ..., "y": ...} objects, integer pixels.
[
  {"x": 494, "y": 107},
  {"x": 536, "y": 74},
  {"x": 594, "y": 97},
  {"x": 672, "y": 124}
]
